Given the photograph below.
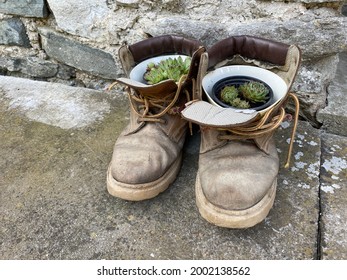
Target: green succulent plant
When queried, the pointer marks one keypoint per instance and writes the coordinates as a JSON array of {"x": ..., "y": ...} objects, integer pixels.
[
  {"x": 239, "y": 103},
  {"x": 255, "y": 92},
  {"x": 228, "y": 94},
  {"x": 171, "y": 68}
]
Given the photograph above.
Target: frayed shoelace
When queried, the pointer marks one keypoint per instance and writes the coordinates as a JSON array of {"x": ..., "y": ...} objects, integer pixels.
[
  {"x": 266, "y": 125},
  {"x": 142, "y": 105}
]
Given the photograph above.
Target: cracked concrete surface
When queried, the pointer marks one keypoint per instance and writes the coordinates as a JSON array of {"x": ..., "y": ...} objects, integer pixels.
[{"x": 54, "y": 203}]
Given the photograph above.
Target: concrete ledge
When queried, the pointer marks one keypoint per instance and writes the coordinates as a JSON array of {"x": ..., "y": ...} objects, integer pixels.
[
  {"x": 54, "y": 202},
  {"x": 54, "y": 104}
]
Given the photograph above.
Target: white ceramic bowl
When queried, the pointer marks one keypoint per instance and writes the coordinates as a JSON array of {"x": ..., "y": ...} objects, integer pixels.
[
  {"x": 139, "y": 70},
  {"x": 278, "y": 85}
]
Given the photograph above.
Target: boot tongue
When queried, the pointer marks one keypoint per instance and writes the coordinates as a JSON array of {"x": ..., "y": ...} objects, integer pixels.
[
  {"x": 159, "y": 90},
  {"x": 206, "y": 114}
]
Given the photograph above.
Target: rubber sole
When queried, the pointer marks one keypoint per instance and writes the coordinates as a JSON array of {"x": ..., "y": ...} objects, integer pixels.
[
  {"x": 234, "y": 218},
  {"x": 145, "y": 191}
]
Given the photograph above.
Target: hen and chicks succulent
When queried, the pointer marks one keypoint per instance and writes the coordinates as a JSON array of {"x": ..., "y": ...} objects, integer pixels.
[
  {"x": 171, "y": 68},
  {"x": 255, "y": 92},
  {"x": 241, "y": 97},
  {"x": 230, "y": 95}
]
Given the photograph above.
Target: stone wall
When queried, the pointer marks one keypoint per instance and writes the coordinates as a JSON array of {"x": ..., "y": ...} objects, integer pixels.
[{"x": 76, "y": 42}]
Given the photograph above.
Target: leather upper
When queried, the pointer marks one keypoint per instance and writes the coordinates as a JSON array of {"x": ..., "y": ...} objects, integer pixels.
[
  {"x": 149, "y": 145},
  {"x": 236, "y": 173}
]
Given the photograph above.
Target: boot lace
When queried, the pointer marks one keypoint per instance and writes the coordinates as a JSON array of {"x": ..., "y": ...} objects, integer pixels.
[
  {"x": 145, "y": 106},
  {"x": 267, "y": 124}
]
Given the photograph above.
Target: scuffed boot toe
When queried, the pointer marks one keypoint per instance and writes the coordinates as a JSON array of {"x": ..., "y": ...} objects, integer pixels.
[
  {"x": 143, "y": 166},
  {"x": 237, "y": 191}
]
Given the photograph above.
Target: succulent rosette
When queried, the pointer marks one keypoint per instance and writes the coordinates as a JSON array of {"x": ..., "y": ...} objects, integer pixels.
[
  {"x": 255, "y": 92},
  {"x": 171, "y": 68}
]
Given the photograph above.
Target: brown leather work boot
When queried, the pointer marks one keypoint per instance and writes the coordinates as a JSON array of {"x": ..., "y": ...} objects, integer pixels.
[
  {"x": 238, "y": 163},
  {"x": 147, "y": 155}
]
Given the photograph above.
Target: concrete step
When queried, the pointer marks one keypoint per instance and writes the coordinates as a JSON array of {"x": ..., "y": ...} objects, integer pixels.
[
  {"x": 334, "y": 115},
  {"x": 54, "y": 202},
  {"x": 333, "y": 197},
  {"x": 54, "y": 104}
]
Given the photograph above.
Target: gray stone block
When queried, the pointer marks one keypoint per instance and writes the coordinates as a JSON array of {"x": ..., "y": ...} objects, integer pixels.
[
  {"x": 27, "y": 8},
  {"x": 82, "y": 18},
  {"x": 344, "y": 10},
  {"x": 36, "y": 68},
  {"x": 10, "y": 64},
  {"x": 31, "y": 66},
  {"x": 311, "y": 85},
  {"x": 13, "y": 33},
  {"x": 334, "y": 115},
  {"x": 75, "y": 54},
  {"x": 313, "y": 36}
]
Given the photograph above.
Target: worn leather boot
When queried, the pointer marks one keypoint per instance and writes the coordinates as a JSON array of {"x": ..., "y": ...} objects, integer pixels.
[
  {"x": 147, "y": 155},
  {"x": 238, "y": 164}
]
